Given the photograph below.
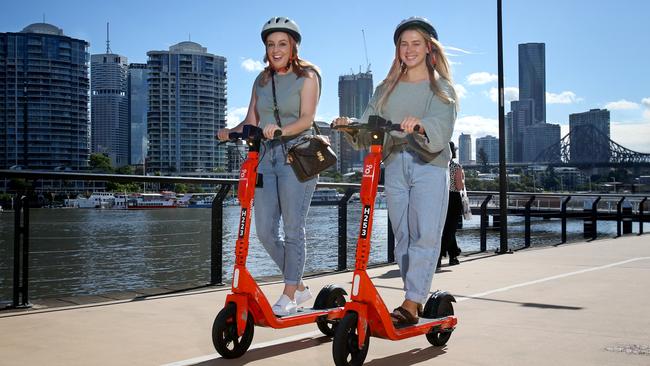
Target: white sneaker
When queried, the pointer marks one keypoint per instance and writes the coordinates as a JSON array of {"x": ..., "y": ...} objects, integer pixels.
[
  {"x": 284, "y": 306},
  {"x": 302, "y": 296}
]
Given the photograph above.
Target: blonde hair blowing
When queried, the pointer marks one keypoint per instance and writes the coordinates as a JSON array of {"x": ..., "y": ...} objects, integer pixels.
[{"x": 397, "y": 70}]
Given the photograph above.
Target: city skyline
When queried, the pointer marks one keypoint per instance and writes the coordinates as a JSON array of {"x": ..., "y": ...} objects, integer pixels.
[{"x": 578, "y": 48}]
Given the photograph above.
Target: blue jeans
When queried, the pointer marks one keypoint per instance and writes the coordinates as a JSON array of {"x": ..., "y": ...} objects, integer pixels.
[
  {"x": 282, "y": 196},
  {"x": 417, "y": 196}
]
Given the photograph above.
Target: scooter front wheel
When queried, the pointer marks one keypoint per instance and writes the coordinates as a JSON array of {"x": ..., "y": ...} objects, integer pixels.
[
  {"x": 345, "y": 347},
  {"x": 224, "y": 333},
  {"x": 439, "y": 305},
  {"x": 329, "y": 297}
]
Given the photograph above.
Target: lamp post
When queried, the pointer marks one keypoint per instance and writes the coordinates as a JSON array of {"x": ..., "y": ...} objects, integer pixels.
[{"x": 503, "y": 198}]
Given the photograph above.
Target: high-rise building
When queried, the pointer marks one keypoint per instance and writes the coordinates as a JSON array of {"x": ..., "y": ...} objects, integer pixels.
[
  {"x": 488, "y": 145},
  {"x": 589, "y": 136},
  {"x": 43, "y": 99},
  {"x": 464, "y": 148},
  {"x": 522, "y": 117},
  {"x": 109, "y": 107},
  {"x": 355, "y": 91},
  {"x": 187, "y": 106},
  {"x": 509, "y": 136},
  {"x": 236, "y": 156},
  {"x": 538, "y": 138},
  {"x": 532, "y": 77},
  {"x": 138, "y": 105}
]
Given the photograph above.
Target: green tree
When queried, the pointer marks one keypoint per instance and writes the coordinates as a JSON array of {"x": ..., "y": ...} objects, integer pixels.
[
  {"x": 180, "y": 188},
  {"x": 100, "y": 162},
  {"x": 122, "y": 187},
  {"x": 482, "y": 160},
  {"x": 127, "y": 170}
]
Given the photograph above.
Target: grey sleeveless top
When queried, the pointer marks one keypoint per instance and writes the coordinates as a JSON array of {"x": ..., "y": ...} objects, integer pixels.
[{"x": 287, "y": 89}]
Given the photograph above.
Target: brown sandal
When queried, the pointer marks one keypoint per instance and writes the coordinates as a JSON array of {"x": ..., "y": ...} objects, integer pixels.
[{"x": 403, "y": 316}]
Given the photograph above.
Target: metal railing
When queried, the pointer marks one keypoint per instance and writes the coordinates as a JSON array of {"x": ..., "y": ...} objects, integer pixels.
[
  {"x": 483, "y": 205},
  {"x": 635, "y": 213},
  {"x": 21, "y": 226}
]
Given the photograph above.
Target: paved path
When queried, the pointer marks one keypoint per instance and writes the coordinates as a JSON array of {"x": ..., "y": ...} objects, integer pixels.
[{"x": 577, "y": 304}]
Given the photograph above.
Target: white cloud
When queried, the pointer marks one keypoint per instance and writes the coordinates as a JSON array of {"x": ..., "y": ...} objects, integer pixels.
[
  {"x": 456, "y": 49},
  {"x": 646, "y": 115},
  {"x": 477, "y": 126},
  {"x": 633, "y": 136},
  {"x": 566, "y": 97},
  {"x": 621, "y": 104},
  {"x": 252, "y": 65},
  {"x": 479, "y": 78},
  {"x": 510, "y": 93},
  {"x": 460, "y": 91},
  {"x": 646, "y": 102},
  {"x": 235, "y": 116}
]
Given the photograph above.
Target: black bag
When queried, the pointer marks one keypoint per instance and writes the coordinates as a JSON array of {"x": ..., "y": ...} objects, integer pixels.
[{"x": 311, "y": 154}]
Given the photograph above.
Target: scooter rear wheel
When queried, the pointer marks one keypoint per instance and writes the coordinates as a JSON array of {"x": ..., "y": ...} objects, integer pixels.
[
  {"x": 439, "y": 308},
  {"x": 345, "y": 347},
  {"x": 224, "y": 333},
  {"x": 329, "y": 297}
]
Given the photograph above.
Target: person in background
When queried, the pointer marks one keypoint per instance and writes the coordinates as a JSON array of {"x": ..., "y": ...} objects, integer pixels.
[
  {"x": 418, "y": 91},
  {"x": 454, "y": 210},
  {"x": 293, "y": 84}
]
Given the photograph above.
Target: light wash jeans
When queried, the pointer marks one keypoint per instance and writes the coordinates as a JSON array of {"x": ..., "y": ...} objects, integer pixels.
[
  {"x": 417, "y": 197},
  {"x": 282, "y": 196}
]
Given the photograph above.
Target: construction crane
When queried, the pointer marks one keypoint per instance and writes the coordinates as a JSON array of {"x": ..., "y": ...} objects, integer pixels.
[{"x": 365, "y": 48}]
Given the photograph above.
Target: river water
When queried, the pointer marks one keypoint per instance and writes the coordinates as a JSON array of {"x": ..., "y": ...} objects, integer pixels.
[{"x": 88, "y": 251}]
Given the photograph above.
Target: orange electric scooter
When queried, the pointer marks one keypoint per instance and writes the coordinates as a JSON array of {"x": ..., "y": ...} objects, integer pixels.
[
  {"x": 246, "y": 306},
  {"x": 366, "y": 314}
]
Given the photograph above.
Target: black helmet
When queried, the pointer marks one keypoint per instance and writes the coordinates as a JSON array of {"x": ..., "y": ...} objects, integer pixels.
[
  {"x": 281, "y": 24},
  {"x": 419, "y": 22}
]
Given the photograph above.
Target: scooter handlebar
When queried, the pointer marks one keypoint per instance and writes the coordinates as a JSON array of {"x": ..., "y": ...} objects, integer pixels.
[
  {"x": 253, "y": 132},
  {"x": 389, "y": 126}
]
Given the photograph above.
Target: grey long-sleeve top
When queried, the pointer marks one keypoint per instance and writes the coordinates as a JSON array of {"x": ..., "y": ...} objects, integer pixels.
[{"x": 417, "y": 100}]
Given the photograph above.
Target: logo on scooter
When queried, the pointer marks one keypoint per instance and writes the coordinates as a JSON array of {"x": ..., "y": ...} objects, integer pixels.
[
  {"x": 367, "y": 171},
  {"x": 242, "y": 174},
  {"x": 365, "y": 222},
  {"x": 242, "y": 222}
]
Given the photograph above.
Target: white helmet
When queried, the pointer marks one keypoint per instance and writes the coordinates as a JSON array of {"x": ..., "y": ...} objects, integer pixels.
[
  {"x": 281, "y": 24},
  {"x": 419, "y": 22}
]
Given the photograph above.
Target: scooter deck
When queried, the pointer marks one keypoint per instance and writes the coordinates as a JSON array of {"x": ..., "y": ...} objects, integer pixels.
[
  {"x": 421, "y": 321},
  {"x": 306, "y": 311}
]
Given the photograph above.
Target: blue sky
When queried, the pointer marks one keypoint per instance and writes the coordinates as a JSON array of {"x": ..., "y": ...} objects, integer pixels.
[{"x": 596, "y": 52}]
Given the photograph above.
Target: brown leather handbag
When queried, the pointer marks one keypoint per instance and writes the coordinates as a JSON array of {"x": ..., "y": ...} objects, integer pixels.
[{"x": 311, "y": 155}]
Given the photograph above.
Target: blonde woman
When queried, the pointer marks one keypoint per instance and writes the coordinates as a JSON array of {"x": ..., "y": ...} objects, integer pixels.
[
  {"x": 285, "y": 96},
  {"x": 418, "y": 91}
]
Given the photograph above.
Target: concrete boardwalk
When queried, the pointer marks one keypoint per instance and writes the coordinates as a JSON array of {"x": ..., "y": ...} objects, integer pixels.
[{"x": 577, "y": 304}]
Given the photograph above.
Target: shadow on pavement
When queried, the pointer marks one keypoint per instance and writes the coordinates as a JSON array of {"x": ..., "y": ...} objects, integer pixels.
[
  {"x": 410, "y": 357},
  {"x": 525, "y": 304},
  {"x": 257, "y": 354}
]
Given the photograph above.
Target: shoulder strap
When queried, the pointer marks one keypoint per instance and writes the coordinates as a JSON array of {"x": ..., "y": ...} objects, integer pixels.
[{"x": 276, "y": 111}]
